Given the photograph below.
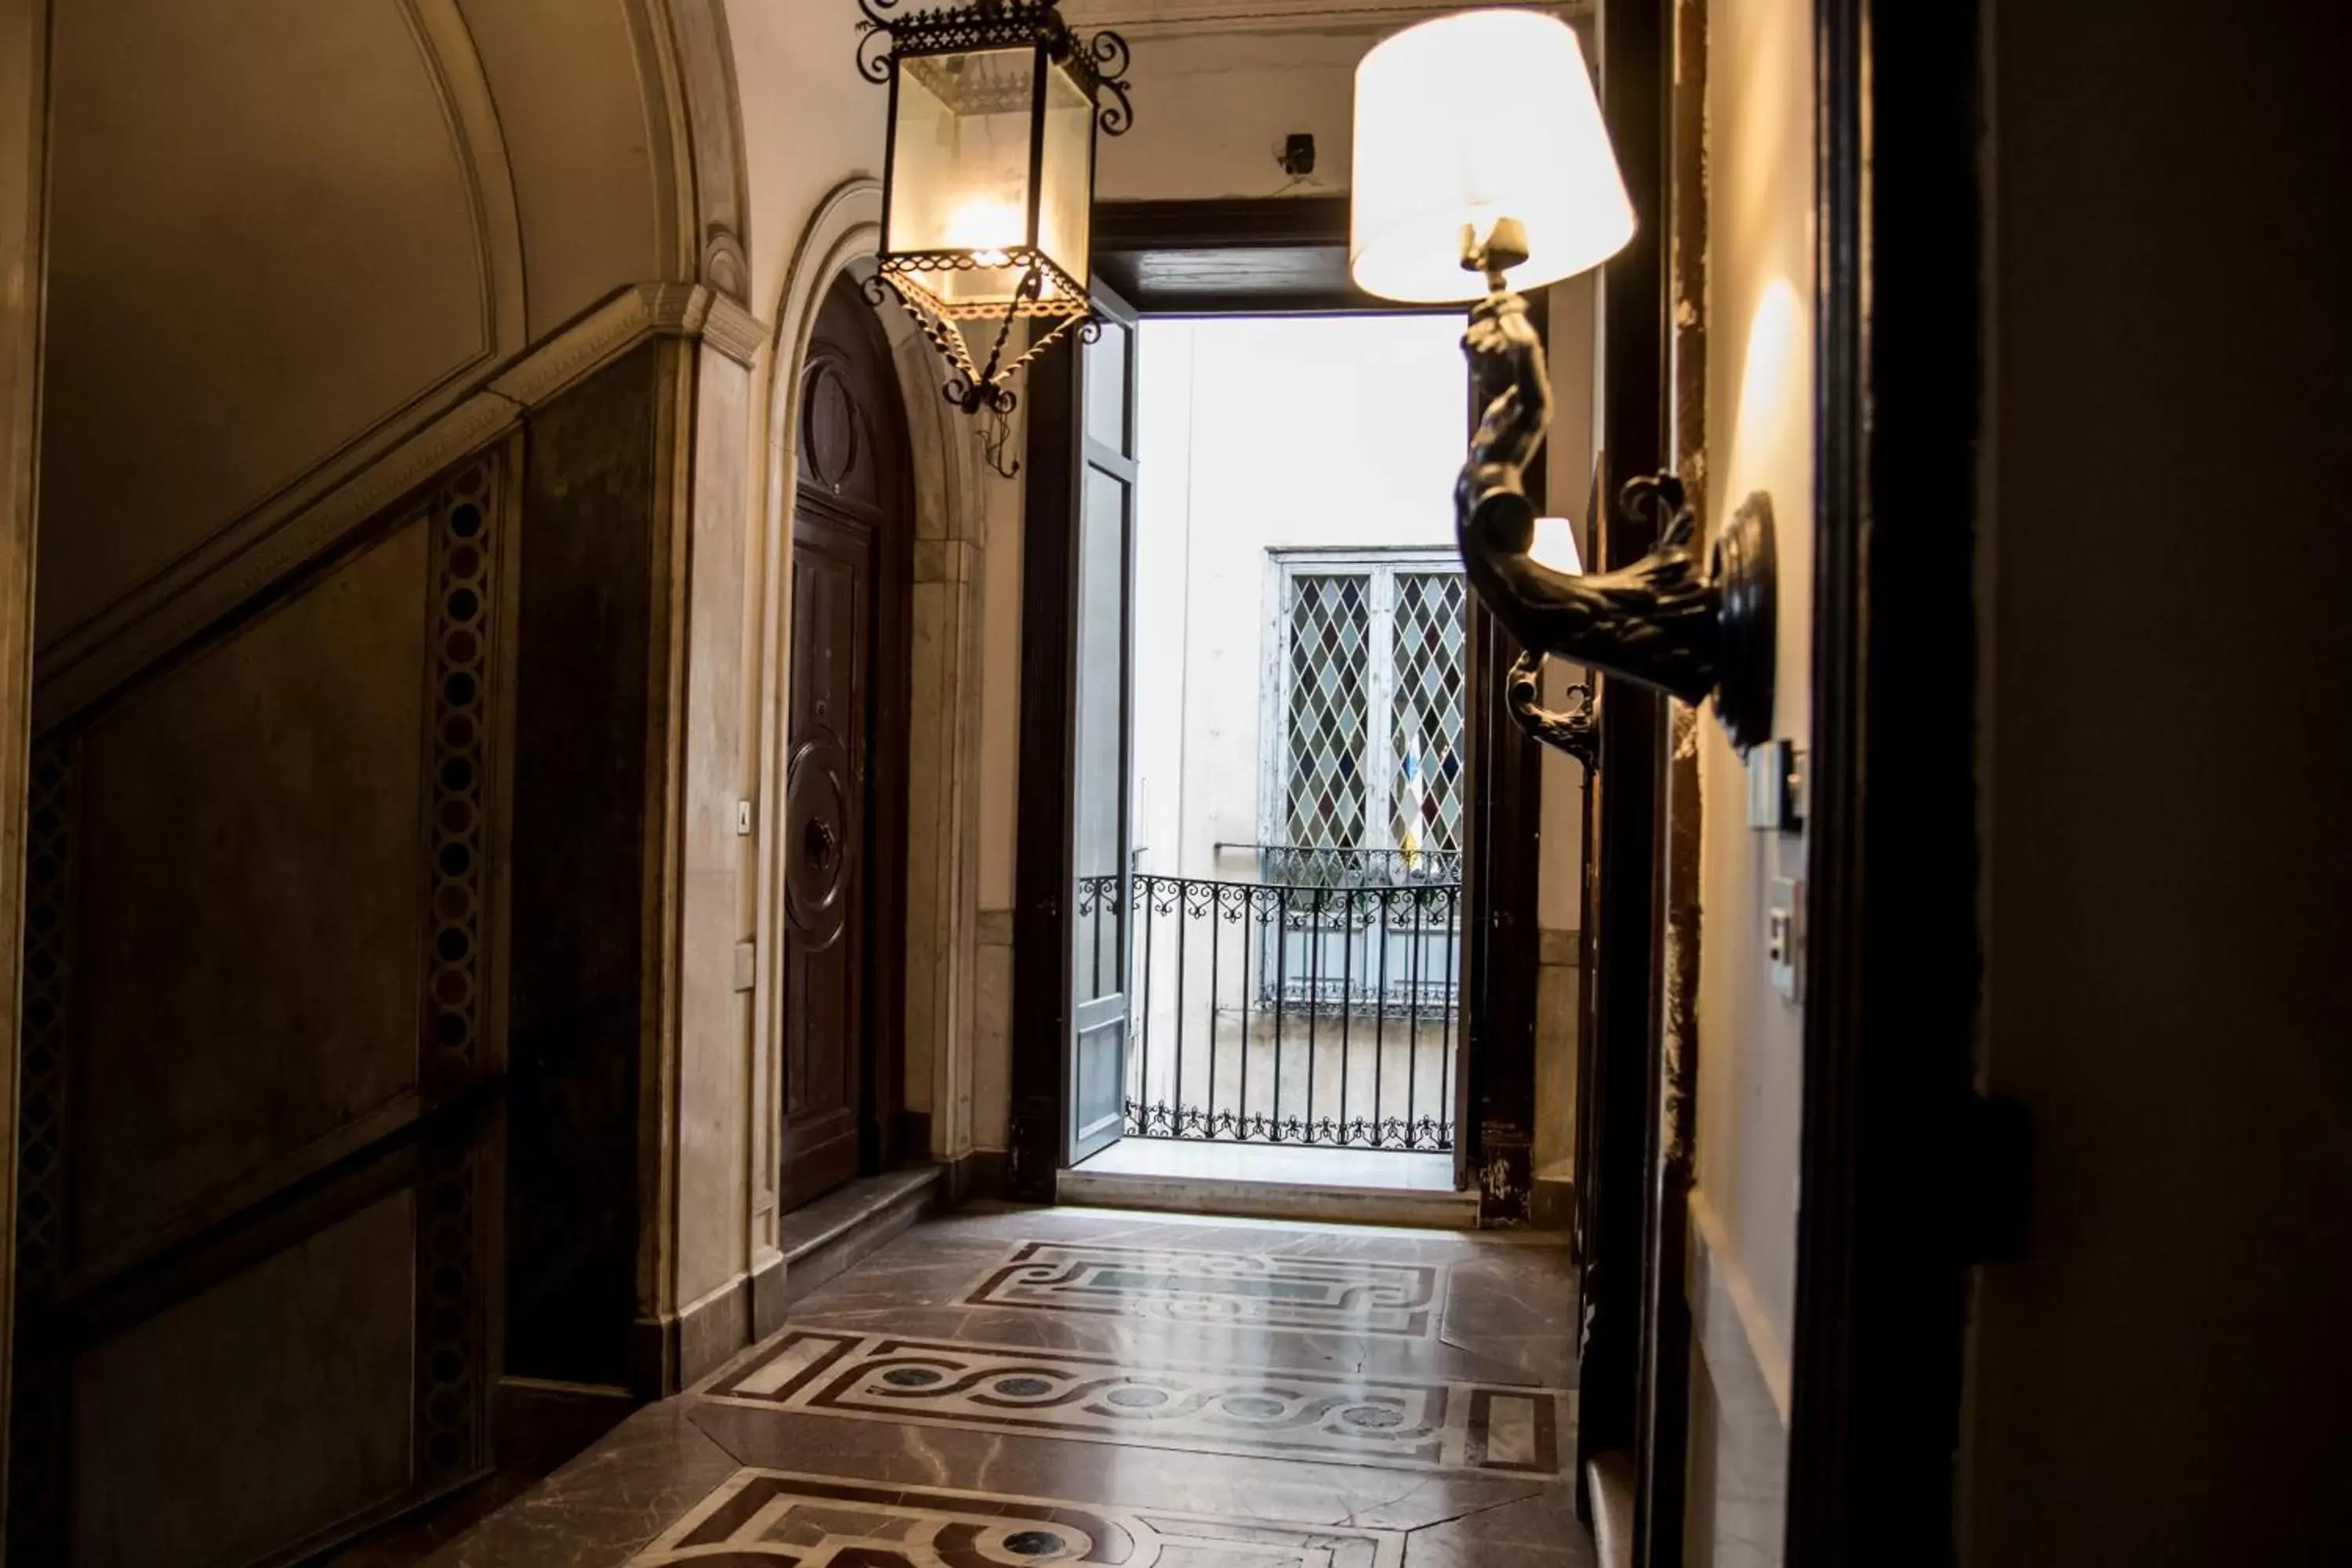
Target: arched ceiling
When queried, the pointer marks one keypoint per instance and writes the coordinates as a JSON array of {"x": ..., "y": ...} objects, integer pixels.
[{"x": 283, "y": 230}]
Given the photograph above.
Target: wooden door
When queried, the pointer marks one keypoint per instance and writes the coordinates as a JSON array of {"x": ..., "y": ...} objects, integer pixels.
[{"x": 844, "y": 786}]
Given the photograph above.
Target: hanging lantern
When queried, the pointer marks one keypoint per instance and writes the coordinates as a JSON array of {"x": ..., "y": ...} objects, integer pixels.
[{"x": 988, "y": 182}]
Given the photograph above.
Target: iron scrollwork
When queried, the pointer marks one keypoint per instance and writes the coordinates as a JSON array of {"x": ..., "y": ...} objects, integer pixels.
[
  {"x": 1669, "y": 621},
  {"x": 1099, "y": 66}
]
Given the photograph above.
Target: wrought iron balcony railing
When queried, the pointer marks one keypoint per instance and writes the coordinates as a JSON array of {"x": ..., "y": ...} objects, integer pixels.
[
  {"x": 1289, "y": 1013},
  {"x": 1328, "y": 866}
]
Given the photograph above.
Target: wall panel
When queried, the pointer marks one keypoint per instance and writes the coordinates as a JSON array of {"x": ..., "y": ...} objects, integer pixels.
[
  {"x": 252, "y": 892},
  {"x": 263, "y": 1037}
]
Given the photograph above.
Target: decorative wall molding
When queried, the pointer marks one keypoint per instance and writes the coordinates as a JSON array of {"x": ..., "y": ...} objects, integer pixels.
[
  {"x": 97, "y": 660},
  {"x": 697, "y": 63},
  {"x": 1157, "y": 18}
]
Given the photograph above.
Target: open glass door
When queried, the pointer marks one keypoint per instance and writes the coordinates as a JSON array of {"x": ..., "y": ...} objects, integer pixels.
[{"x": 1103, "y": 743}]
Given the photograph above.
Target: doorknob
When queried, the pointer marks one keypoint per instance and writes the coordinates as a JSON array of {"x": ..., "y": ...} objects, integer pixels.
[{"x": 820, "y": 841}]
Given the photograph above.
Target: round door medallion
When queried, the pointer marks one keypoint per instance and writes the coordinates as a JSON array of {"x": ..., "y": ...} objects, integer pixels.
[
  {"x": 829, "y": 423},
  {"x": 818, "y": 851}
]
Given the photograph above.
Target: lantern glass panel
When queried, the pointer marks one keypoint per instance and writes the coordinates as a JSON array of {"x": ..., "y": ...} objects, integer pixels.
[
  {"x": 1063, "y": 214},
  {"x": 960, "y": 169}
]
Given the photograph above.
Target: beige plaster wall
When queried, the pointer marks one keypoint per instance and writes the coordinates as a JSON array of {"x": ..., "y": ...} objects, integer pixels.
[{"x": 1760, "y": 438}]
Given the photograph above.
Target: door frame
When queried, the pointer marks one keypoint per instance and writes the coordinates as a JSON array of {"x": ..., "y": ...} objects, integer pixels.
[
  {"x": 1044, "y": 1062},
  {"x": 1284, "y": 256},
  {"x": 24, "y": 204},
  {"x": 1893, "y": 1172},
  {"x": 1618, "y": 1071}
]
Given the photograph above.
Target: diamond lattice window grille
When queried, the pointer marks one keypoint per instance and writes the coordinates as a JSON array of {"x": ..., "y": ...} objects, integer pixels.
[
  {"x": 1427, "y": 643},
  {"x": 1326, "y": 770}
]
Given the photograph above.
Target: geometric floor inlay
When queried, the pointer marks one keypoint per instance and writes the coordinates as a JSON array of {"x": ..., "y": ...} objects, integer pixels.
[
  {"x": 773, "y": 1517},
  {"x": 1409, "y": 1423},
  {"x": 1241, "y": 1288}
]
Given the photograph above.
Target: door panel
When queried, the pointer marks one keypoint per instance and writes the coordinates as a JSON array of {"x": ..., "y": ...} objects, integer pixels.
[
  {"x": 843, "y": 817},
  {"x": 823, "y": 830},
  {"x": 1102, "y": 741}
]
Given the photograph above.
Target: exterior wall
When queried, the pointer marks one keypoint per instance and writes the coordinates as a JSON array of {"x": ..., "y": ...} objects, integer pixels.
[
  {"x": 1260, "y": 435},
  {"x": 2152, "y": 1380},
  {"x": 1760, "y": 438}
]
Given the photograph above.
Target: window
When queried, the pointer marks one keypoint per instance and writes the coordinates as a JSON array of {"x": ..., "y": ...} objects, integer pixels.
[{"x": 1363, "y": 738}]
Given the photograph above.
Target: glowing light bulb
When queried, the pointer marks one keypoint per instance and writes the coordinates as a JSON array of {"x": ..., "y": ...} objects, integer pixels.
[{"x": 986, "y": 227}]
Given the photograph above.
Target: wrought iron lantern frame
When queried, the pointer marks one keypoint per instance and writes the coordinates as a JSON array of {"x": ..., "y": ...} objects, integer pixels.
[{"x": 1046, "y": 291}]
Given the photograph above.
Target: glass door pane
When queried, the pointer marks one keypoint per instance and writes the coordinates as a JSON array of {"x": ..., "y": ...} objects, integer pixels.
[{"x": 1102, "y": 747}]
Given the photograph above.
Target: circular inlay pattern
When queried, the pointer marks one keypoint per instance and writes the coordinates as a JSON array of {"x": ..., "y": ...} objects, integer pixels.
[
  {"x": 1139, "y": 1399},
  {"x": 1372, "y": 1416},
  {"x": 910, "y": 1377},
  {"x": 1253, "y": 1407},
  {"x": 1022, "y": 1387},
  {"x": 1033, "y": 1543}
]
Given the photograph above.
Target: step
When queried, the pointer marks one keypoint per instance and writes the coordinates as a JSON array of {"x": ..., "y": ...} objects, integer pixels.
[
  {"x": 1330, "y": 1203},
  {"x": 822, "y": 1238}
]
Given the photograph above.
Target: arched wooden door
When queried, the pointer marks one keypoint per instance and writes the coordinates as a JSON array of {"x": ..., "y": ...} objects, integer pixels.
[{"x": 844, "y": 783}]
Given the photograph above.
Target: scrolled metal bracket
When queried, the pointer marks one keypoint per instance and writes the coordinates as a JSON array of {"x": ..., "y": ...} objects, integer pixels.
[
  {"x": 1669, "y": 621},
  {"x": 1576, "y": 732}
]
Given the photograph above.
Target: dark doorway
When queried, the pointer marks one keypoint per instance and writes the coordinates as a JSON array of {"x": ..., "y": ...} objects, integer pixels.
[{"x": 844, "y": 783}]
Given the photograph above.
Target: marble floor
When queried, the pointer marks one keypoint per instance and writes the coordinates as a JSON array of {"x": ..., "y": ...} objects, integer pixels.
[{"x": 1022, "y": 1387}]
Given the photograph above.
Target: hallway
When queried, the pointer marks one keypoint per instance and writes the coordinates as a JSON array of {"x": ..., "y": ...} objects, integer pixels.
[{"x": 1013, "y": 1385}]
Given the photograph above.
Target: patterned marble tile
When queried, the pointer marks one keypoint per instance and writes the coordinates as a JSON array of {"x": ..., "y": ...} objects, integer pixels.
[
  {"x": 778, "y": 1516},
  {"x": 1403, "y": 1422},
  {"x": 1253, "y": 1290}
]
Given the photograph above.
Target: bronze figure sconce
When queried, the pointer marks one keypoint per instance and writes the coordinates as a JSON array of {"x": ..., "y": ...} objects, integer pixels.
[
  {"x": 1669, "y": 621},
  {"x": 1481, "y": 155}
]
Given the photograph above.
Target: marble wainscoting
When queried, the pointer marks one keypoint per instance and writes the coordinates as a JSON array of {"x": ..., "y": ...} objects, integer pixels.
[{"x": 1010, "y": 1386}]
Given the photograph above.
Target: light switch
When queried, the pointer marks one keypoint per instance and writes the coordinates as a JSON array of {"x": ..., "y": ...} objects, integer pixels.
[
  {"x": 742, "y": 817},
  {"x": 1784, "y": 936},
  {"x": 747, "y": 965}
]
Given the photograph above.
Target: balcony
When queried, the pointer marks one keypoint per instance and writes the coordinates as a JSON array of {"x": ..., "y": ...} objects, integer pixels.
[{"x": 1316, "y": 1006}]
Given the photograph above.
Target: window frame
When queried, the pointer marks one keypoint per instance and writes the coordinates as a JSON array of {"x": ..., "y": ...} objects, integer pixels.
[{"x": 1381, "y": 566}]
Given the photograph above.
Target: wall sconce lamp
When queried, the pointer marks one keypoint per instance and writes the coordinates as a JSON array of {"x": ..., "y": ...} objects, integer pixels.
[
  {"x": 1483, "y": 167},
  {"x": 988, "y": 180}
]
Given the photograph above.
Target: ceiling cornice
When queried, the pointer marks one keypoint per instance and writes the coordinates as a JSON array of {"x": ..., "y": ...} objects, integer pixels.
[{"x": 1150, "y": 19}]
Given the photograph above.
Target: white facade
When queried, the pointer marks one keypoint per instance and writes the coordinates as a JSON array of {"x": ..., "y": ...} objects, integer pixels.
[{"x": 1260, "y": 437}]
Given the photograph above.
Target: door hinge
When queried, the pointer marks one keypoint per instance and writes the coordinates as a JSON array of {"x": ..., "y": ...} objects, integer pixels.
[{"x": 1997, "y": 1157}]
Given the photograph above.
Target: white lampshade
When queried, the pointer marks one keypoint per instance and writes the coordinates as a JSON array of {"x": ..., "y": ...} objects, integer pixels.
[{"x": 1468, "y": 119}]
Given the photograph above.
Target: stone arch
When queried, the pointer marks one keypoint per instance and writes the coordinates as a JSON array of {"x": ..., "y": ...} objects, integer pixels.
[{"x": 942, "y": 901}]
